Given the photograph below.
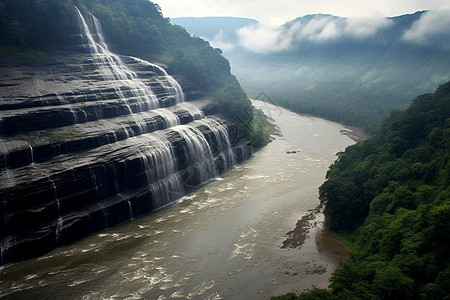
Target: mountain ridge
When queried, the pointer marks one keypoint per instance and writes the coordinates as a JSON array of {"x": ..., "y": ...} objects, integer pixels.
[{"x": 349, "y": 70}]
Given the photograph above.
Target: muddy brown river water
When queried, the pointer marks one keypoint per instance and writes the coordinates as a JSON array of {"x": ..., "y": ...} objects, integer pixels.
[{"x": 223, "y": 241}]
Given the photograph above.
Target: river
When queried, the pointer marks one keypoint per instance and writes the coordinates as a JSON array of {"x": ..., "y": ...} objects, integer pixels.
[{"x": 221, "y": 242}]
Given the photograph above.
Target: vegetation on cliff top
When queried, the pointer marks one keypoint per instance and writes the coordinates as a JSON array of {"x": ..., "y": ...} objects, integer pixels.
[
  {"x": 132, "y": 27},
  {"x": 391, "y": 195}
]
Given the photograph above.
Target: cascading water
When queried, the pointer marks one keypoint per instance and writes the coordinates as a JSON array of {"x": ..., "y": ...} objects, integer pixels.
[
  {"x": 221, "y": 242},
  {"x": 169, "y": 117},
  {"x": 222, "y": 140},
  {"x": 170, "y": 85},
  {"x": 200, "y": 158},
  {"x": 95, "y": 139},
  {"x": 193, "y": 110},
  {"x": 112, "y": 69}
]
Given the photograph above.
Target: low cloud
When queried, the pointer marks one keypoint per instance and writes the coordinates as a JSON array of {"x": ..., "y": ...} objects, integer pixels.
[
  {"x": 431, "y": 25},
  {"x": 218, "y": 41},
  {"x": 263, "y": 39},
  {"x": 365, "y": 27},
  {"x": 320, "y": 28}
]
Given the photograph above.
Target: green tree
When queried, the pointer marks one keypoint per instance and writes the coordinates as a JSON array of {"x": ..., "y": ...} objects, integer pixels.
[{"x": 391, "y": 196}]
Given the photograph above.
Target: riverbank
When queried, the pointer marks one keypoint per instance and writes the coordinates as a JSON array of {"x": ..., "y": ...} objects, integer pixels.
[
  {"x": 221, "y": 241},
  {"x": 310, "y": 221},
  {"x": 274, "y": 130},
  {"x": 355, "y": 133},
  {"x": 313, "y": 225}
]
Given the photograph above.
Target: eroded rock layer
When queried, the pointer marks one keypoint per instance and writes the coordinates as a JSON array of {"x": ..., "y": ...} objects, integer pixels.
[{"x": 90, "y": 139}]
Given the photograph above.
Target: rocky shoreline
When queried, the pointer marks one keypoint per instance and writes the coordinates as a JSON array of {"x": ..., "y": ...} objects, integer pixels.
[
  {"x": 312, "y": 225},
  {"x": 356, "y": 134},
  {"x": 296, "y": 237}
]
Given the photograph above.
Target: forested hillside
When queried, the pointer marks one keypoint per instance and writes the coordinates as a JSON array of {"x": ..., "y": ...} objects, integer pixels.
[
  {"x": 390, "y": 198},
  {"x": 30, "y": 28},
  {"x": 134, "y": 27},
  {"x": 350, "y": 70}
]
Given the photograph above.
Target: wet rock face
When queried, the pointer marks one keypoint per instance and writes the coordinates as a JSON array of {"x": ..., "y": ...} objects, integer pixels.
[{"x": 81, "y": 150}]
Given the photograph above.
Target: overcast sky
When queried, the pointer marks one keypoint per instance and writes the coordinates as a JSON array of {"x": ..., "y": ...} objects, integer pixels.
[{"x": 277, "y": 12}]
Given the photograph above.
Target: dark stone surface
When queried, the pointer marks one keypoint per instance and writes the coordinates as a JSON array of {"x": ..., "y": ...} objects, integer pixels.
[{"x": 79, "y": 153}]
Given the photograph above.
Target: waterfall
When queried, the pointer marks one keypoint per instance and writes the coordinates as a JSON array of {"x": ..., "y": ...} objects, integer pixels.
[
  {"x": 167, "y": 190},
  {"x": 103, "y": 140},
  {"x": 222, "y": 142},
  {"x": 31, "y": 154},
  {"x": 193, "y": 110},
  {"x": 130, "y": 209},
  {"x": 111, "y": 67},
  {"x": 167, "y": 82},
  {"x": 107, "y": 87},
  {"x": 199, "y": 154},
  {"x": 159, "y": 159},
  {"x": 169, "y": 117}
]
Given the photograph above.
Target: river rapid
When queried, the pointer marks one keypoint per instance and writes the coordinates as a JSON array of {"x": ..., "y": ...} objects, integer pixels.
[{"x": 223, "y": 241}]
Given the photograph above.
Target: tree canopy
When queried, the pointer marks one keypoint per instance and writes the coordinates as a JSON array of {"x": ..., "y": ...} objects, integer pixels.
[{"x": 391, "y": 196}]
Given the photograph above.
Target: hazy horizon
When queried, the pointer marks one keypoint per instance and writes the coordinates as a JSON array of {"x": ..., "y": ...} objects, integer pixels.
[{"x": 275, "y": 13}]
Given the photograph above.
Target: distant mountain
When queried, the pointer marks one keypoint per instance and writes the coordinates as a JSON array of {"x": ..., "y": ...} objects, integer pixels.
[
  {"x": 210, "y": 26},
  {"x": 351, "y": 70},
  {"x": 221, "y": 30}
]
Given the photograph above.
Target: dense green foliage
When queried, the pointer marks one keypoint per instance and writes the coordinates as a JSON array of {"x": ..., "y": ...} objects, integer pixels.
[
  {"x": 259, "y": 131},
  {"x": 233, "y": 102},
  {"x": 392, "y": 193},
  {"x": 132, "y": 27}
]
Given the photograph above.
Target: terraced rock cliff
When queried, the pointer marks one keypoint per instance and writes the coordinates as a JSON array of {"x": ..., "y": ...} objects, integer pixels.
[{"x": 90, "y": 138}]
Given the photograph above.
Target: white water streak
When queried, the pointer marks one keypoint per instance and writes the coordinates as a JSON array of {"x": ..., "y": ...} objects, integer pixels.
[
  {"x": 199, "y": 152},
  {"x": 112, "y": 68}
]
